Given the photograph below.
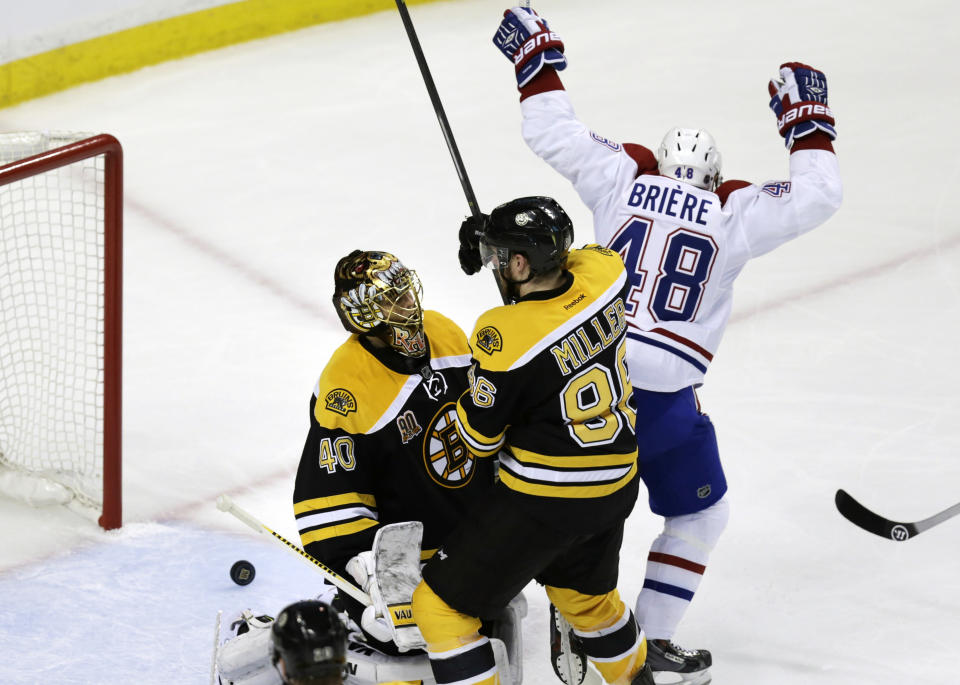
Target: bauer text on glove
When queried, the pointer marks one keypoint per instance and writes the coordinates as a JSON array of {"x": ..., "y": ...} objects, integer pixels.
[
  {"x": 799, "y": 100},
  {"x": 525, "y": 39}
]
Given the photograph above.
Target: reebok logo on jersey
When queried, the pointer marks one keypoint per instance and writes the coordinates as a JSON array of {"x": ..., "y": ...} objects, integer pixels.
[
  {"x": 340, "y": 401},
  {"x": 489, "y": 340},
  {"x": 577, "y": 300}
]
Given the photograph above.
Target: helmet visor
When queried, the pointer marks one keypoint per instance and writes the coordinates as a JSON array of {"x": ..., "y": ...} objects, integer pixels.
[{"x": 493, "y": 257}]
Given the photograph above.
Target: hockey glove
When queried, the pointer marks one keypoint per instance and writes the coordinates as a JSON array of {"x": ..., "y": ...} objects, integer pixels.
[
  {"x": 526, "y": 39},
  {"x": 799, "y": 99},
  {"x": 470, "y": 232}
]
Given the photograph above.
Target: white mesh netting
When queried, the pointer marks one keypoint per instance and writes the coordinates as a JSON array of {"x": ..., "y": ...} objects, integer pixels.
[{"x": 51, "y": 326}]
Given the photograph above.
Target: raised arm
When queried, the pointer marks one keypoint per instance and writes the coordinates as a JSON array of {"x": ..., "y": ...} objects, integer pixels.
[{"x": 550, "y": 128}]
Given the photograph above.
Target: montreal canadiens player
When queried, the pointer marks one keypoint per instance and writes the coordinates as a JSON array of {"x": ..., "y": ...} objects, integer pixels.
[{"x": 684, "y": 236}]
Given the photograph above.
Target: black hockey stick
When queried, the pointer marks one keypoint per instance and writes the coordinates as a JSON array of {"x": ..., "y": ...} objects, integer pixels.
[
  {"x": 444, "y": 125},
  {"x": 859, "y": 515}
]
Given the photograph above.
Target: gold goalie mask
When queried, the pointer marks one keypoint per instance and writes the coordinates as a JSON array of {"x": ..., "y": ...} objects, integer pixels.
[{"x": 374, "y": 293}]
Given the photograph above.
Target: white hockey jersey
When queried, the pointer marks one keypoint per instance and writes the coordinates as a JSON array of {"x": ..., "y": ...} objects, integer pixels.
[{"x": 682, "y": 246}]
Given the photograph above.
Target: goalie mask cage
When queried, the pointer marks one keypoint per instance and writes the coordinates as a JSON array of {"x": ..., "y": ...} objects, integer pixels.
[{"x": 61, "y": 214}]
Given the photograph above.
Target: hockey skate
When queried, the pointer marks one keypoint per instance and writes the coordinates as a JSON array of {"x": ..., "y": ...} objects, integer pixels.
[
  {"x": 644, "y": 677},
  {"x": 569, "y": 660},
  {"x": 567, "y": 657},
  {"x": 674, "y": 665}
]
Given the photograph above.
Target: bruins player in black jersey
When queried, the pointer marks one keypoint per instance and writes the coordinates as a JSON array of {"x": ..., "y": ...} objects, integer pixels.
[
  {"x": 549, "y": 392},
  {"x": 383, "y": 446}
]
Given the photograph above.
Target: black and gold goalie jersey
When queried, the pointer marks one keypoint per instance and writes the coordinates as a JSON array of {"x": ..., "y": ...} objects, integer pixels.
[
  {"x": 383, "y": 446},
  {"x": 550, "y": 388}
]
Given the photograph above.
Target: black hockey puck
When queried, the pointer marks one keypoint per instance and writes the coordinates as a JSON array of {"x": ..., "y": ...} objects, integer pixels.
[{"x": 242, "y": 572}]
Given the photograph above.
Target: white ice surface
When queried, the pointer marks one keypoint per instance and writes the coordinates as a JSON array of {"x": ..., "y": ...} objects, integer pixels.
[{"x": 251, "y": 170}]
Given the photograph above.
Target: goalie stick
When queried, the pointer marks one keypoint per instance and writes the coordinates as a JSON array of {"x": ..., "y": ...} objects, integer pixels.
[
  {"x": 860, "y": 516},
  {"x": 225, "y": 503},
  {"x": 216, "y": 649}
]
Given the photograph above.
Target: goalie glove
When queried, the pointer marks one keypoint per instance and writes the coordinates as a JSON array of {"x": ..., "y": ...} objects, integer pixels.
[
  {"x": 373, "y": 620},
  {"x": 799, "y": 99},
  {"x": 525, "y": 38}
]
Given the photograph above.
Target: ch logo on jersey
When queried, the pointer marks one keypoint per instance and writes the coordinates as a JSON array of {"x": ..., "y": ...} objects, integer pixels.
[
  {"x": 447, "y": 459},
  {"x": 489, "y": 340},
  {"x": 408, "y": 426},
  {"x": 340, "y": 401},
  {"x": 605, "y": 142},
  {"x": 435, "y": 386},
  {"x": 776, "y": 188}
]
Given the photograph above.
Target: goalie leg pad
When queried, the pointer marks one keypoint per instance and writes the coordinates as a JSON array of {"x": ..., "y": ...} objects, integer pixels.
[
  {"x": 502, "y": 659},
  {"x": 396, "y": 552},
  {"x": 244, "y": 658},
  {"x": 506, "y": 629},
  {"x": 367, "y": 666}
]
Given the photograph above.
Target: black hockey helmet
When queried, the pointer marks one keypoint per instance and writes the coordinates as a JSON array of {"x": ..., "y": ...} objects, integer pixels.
[
  {"x": 311, "y": 640},
  {"x": 536, "y": 227}
]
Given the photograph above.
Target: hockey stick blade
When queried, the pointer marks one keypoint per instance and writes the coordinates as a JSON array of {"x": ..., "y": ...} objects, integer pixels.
[{"x": 897, "y": 531}]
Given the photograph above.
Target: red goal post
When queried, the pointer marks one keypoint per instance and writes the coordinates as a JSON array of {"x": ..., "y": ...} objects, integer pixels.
[{"x": 61, "y": 269}]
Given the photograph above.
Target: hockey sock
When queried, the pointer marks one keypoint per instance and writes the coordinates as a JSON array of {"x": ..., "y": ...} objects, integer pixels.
[
  {"x": 607, "y": 631},
  {"x": 675, "y": 567},
  {"x": 456, "y": 649}
]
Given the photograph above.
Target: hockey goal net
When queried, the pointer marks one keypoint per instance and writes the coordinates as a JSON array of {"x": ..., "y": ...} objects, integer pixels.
[{"x": 61, "y": 213}]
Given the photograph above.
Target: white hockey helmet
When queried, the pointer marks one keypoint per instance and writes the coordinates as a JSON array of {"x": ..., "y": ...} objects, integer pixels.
[{"x": 690, "y": 155}]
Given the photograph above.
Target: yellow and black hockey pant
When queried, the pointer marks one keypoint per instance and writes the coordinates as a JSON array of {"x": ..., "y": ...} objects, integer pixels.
[
  {"x": 460, "y": 654},
  {"x": 494, "y": 554}
]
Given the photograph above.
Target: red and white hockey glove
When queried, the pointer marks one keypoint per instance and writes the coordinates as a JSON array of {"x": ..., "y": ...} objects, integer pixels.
[
  {"x": 799, "y": 99},
  {"x": 525, "y": 38}
]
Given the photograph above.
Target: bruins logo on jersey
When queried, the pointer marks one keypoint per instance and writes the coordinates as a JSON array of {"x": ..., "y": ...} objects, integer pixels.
[
  {"x": 340, "y": 401},
  {"x": 489, "y": 339},
  {"x": 447, "y": 459},
  {"x": 599, "y": 248}
]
